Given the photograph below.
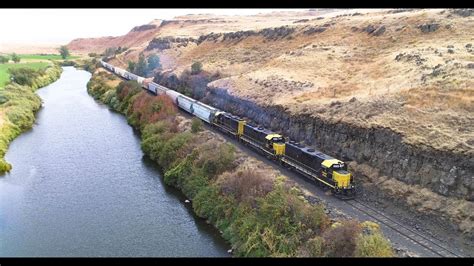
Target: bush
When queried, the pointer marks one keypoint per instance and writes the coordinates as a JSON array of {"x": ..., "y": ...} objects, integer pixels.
[
  {"x": 246, "y": 185},
  {"x": 196, "y": 68},
  {"x": 25, "y": 75},
  {"x": 373, "y": 245},
  {"x": 314, "y": 247},
  {"x": 215, "y": 160},
  {"x": 147, "y": 109},
  {"x": 196, "y": 125},
  {"x": 182, "y": 170},
  {"x": 15, "y": 58},
  {"x": 340, "y": 241},
  {"x": 4, "y": 59},
  {"x": 170, "y": 149},
  {"x": 159, "y": 128}
]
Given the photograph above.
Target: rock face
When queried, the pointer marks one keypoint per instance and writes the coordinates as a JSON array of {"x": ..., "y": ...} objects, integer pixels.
[
  {"x": 270, "y": 34},
  {"x": 313, "y": 30},
  {"x": 374, "y": 31},
  {"x": 442, "y": 172},
  {"x": 144, "y": 27},
  {"x": 466, "y": 12},
  {"x": 426, "y": 28},
  {"x": 164, "y": 43}
]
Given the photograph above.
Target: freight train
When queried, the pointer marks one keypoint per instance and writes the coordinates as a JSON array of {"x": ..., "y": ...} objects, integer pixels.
[{"x": 318, "y": 167}]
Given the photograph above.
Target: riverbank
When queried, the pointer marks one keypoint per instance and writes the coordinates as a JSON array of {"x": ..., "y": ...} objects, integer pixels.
[
  {"x": 259, "y": 211},
  {"x": 18, "y": 105}
]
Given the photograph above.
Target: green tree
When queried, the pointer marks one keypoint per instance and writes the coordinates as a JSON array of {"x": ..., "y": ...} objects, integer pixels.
[
  {"x": 3, "y": 59},
  {"x": 131, "y": 66},
  {"x": 64, "y": 51},
  {"x": 153, "y": 62},
  {"x": 141, "y": 66},
  {"x": 196, "y": 68},
  {"x": 110, "y": 51},
  {"x": 15, "y": 58}
]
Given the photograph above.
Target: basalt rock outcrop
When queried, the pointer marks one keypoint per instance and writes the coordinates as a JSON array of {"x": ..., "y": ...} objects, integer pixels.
[{"x": 443, "y": 172}]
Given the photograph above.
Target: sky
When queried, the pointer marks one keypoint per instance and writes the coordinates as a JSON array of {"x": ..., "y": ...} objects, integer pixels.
[{"x": 60, "y": 26}]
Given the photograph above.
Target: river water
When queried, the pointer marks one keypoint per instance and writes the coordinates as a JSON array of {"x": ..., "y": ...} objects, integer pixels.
[{"x": 80, "y": 186}]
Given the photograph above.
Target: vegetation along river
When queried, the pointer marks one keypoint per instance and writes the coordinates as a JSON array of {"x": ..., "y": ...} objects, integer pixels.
[{"x": 80, "y": 186}]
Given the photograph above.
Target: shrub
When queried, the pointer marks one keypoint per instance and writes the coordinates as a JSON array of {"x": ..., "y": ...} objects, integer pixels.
[
  {"x": 4, "y": 59},
  {"x": 315, "y": 246},
  {"x": 215, "y": 160},
  {"x": 4, "y": 166},
  {"x": 340, "y": 241},
  {"x": 246, "y": 185},
  {"x": 168, "y": 154},
  {"x": 196, "y": 68},
  {"x": 373, "y": 245},
  {"x": 15, "y": 58},
  {"x": 25, "y": 75},
  {"x": 147, "y": 109},
  {"x": 196, "y": 125},
  {"x": 182, "y": 170},
  {"x": 159, "y": 128}
]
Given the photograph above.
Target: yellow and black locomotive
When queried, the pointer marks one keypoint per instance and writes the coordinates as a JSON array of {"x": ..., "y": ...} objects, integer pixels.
[{"x": 317, "y": 166}]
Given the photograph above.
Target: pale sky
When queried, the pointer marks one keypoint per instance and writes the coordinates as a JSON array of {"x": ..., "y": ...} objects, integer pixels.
[{"x": 42, "y": 26}]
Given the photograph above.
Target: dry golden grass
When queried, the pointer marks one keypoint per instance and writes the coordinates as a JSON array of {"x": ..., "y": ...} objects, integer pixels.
[{"x": 417, "y": 95}]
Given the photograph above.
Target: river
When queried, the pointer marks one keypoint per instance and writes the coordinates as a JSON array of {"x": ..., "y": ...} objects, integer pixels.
[{"x": 80, "y": 186}]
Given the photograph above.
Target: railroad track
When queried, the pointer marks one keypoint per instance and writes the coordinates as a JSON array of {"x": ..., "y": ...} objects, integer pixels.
[{"x": 431, "y": 244}]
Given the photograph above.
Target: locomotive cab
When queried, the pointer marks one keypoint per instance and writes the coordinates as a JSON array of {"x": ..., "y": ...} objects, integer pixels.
[
  {"x": 337, "y": 171},
  {"x": 276, "y": 143}
]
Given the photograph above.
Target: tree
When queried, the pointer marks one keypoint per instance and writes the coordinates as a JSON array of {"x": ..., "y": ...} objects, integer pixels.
[
  {"x": 3, "y": 59},
  {"x": 15, "y": 58},
  {"x": 131, "y": 66},
  {"x": 153, "y": 62},
  {"x": 140, "y": 69},
  {"x": 196, "y": 68},
  {"x": 64, "y": 51},
  {"x": 110, "y": 51}
]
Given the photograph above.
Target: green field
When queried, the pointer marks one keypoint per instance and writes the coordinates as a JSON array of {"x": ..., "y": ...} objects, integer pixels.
[
  {"x": 4, "y": 77},
  {"x": 45, "y": 57}
]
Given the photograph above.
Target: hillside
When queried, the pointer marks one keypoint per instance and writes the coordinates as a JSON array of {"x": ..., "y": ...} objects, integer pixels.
[{"x": 390, "y": 91}]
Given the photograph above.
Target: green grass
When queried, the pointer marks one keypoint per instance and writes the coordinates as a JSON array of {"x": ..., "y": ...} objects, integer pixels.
[
  {"x": 5, "y": 77},
  {"x": 45, "y": 57}
]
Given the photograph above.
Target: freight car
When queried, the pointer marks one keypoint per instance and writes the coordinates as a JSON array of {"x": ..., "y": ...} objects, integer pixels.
[
  {"x": 315, "y": 165},
  {"x": 201, "y": 110}
]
